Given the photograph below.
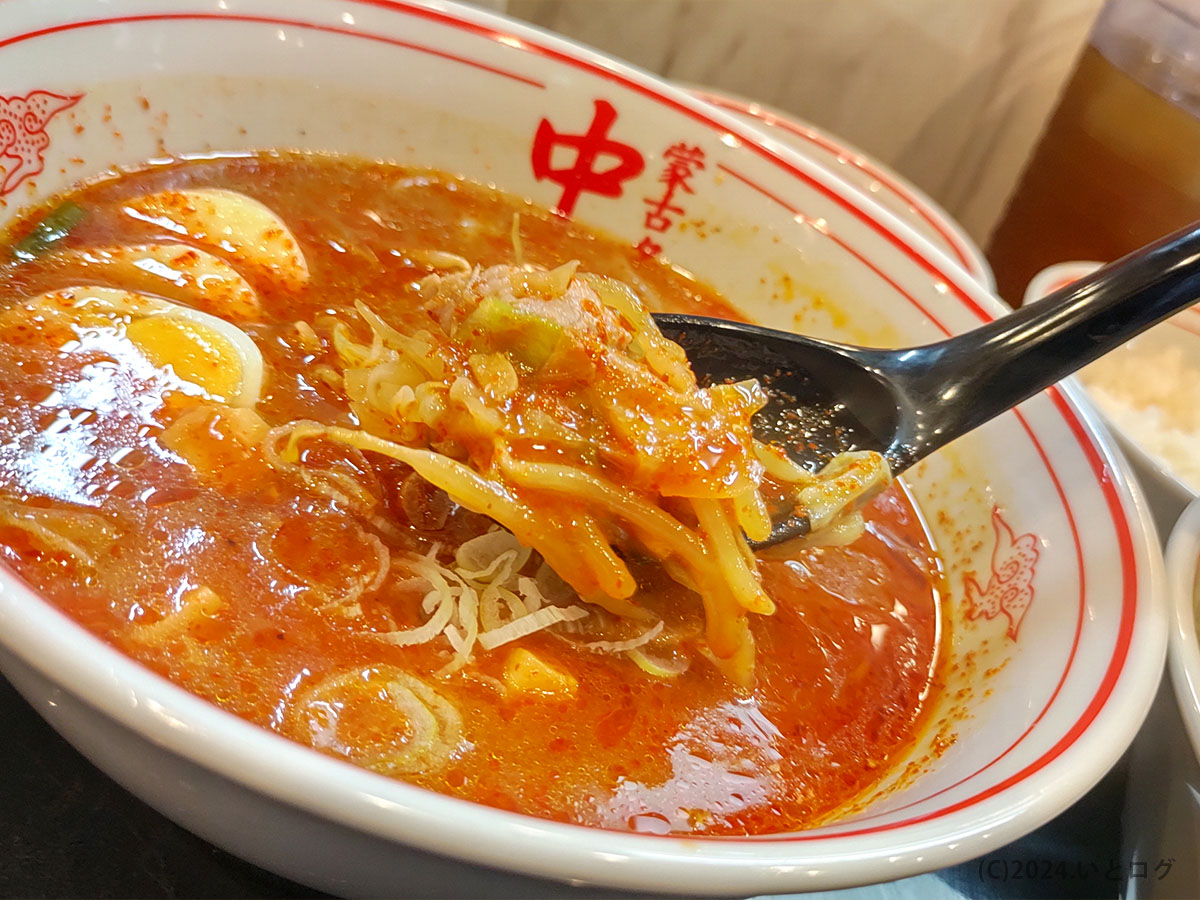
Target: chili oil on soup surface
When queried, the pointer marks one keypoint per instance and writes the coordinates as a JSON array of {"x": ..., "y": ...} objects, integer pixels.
[{"x": 845, "y": 667}]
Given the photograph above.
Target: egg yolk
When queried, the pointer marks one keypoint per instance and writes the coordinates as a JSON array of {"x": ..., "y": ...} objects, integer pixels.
[{"x": 197, "y": 354}]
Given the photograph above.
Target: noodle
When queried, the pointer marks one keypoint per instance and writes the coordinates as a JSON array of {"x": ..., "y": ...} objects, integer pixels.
[
  {"x": 195, "y": 606},
  {"x": 514, "y": 341},
  {"x": 58, "y": 531}
]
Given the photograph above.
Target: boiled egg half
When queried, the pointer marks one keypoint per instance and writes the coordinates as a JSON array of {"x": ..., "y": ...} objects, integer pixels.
[{"x": 209, "y": 355}]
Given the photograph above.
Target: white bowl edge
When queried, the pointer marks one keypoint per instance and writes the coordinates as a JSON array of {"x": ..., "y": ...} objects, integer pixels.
[{"x": 1183, "y": 562}]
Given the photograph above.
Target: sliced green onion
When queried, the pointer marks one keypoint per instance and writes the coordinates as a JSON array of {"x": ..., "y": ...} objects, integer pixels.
[
  {"x": 496, "y": 324},
  {"x": 53, "y": 227}
]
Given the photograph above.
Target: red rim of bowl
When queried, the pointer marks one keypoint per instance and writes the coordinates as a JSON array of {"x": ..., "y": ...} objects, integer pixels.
[{"x": 960, "y": 248}]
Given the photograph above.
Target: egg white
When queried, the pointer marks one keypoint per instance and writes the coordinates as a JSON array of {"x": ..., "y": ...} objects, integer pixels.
[{"x": 120, "y": 308}]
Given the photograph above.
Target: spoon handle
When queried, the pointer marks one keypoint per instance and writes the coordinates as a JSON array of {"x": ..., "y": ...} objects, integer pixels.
[{"x": 973, "y": 377}]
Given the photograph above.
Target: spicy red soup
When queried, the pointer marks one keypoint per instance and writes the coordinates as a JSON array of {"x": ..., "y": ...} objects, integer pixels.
[{"x": 397, "y": 466}]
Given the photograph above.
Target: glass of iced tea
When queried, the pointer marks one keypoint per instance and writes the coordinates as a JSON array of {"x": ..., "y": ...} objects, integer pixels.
[{"x": 1119, "y": 162}]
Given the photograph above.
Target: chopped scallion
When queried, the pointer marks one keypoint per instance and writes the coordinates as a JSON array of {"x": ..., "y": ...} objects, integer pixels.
[{"x": 53, "y": 227}]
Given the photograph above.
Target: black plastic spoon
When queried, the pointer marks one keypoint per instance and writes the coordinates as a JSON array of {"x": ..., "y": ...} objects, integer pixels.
[{"x": 828, "y": 398}]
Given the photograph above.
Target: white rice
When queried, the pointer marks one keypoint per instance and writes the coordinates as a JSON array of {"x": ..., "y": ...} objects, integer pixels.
[{"x": 1152, "y": 394}]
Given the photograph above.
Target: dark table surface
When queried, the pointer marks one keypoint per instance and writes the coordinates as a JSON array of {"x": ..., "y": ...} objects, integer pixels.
[{"x": 67, "y": 830}]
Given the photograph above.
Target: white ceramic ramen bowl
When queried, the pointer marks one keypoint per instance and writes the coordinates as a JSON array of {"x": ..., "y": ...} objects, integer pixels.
[
  {"x": 1057, "y": 624},
  {"x": 888, "y": 188}
]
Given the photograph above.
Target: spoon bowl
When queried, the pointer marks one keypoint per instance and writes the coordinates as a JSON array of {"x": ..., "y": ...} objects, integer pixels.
[{"x": 826, "y": 399}]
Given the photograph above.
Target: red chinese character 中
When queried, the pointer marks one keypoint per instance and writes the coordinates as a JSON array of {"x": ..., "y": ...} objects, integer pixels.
[{"x": 590, "y": 147}]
